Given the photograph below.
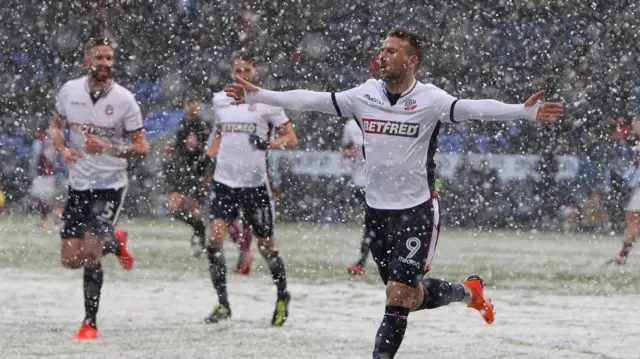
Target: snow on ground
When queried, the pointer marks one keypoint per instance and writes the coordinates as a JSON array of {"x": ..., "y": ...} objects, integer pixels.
[{"x": 554, "y": 299}]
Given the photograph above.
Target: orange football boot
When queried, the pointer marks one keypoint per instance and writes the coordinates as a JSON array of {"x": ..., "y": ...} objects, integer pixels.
[
  {"x": 86, "y": 332},
  {"x": 478, "y": 301},
  {"x": 125, "y": 257}
]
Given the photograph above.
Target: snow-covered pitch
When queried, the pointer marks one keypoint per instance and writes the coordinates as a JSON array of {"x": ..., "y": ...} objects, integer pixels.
[{"x": 553, "y": 295}]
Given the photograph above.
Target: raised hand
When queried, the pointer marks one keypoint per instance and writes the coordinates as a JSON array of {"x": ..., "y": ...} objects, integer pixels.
[
  {"x": 548, "y": 111},
  {"x": 237, "y": 90},
  {"x": 95, "y": 145}
]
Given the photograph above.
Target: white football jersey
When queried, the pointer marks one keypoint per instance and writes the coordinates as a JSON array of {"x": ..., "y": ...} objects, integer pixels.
[
  {"x": 400, "y": 131},
  {"x": 352, "y": 136},
  {"x": 398, "y": 139},
  {"x": 238, "y": 164},
  {"x": 113, "y": 115}
]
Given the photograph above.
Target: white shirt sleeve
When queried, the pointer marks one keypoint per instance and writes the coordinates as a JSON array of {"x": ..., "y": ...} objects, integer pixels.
[
  {"x": 491, "y": 110},
  {"x": 60, "y": 101},
  {"x": 452, "y": 110},
  {"x": 133, "y": 116},
  {"x": 277, "y": 117},
  {"x": 304, "y": 100},
  {"x": 352, "y": 135},
  {"x": 344, "y": 102},
  {"x": 346, "y": 136}
]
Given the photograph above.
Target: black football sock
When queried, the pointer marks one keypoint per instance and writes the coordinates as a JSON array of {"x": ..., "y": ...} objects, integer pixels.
[
  {"x": 111, "y": 244},
  {"x": 364, "y": 250},
  {"x": 218, "y": 271},
  {"x": 438, "y": 293},
  {"x": 391, "y": 332},
  {"x": 276, "y": 266},
  {"x": 199, "y": 228},
  {"x": 93, "y": 278}
]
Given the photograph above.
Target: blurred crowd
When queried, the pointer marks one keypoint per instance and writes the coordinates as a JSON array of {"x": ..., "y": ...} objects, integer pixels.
[{"x": 581, "y": 52}]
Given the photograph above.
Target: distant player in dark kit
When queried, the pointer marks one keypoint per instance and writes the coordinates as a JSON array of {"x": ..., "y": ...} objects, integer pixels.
[
  {"x": 186, "y": 174},
  {"x": 101, "y": 115},
  {"x": 239, "y": 145},
  {"x": 400, "y": 118}
]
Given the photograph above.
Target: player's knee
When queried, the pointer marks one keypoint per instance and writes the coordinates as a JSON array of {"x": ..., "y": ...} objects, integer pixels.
[
  {"x": 90, "y": 259},
  {"x": 71, "y": 262},
  {"x": 174, "y": 205},
  {"x": 402, "y": 295},
  {"x": 265, "y": 252},
  {"x": 266, "y": 247},
  {"x": 218, "y": 230}
]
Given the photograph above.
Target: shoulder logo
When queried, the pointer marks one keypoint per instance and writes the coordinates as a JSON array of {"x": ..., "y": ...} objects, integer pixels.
[
  {"x": 373, "y": 99},
  {"x": 108, "y": 110},
  {"x": 253, "y": 107},
  {"x": 410, "y": 105}
]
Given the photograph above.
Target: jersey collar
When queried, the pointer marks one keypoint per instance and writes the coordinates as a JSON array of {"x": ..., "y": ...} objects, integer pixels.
[
  {"x": 86, "y": 85},
  {"x": 394, "y": 98}
]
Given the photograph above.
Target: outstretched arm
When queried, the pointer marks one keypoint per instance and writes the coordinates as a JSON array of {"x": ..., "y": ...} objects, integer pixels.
[
  {"x": 492, "y": 110},
  {"x": 299, "y": 100}
]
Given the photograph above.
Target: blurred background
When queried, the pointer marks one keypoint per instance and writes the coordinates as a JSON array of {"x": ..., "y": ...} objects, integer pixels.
[{"x": 569, "y": 175}]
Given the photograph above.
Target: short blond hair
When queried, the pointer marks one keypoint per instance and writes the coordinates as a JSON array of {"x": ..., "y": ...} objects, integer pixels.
[{"x": 104, "y": 40}]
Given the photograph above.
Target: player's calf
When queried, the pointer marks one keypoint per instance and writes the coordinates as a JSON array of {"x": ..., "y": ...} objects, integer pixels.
[
  {"x": 278, "y": 273},
  {"x": 438, "y": 293},
  {"x": 276, "y": 265},
  {"x": 72, "y": 262},
  {"x": 218, "y": 269},
  {"x": 175, "y": 203},
  {"x": 93, "y": 279},
  {"x": 112, "y": 243},
  {"x": 188, "y": 211},
  {"x": 631, "y": 233},
  {"x": 400, "y": 299},
  {"x": 218, "y": 272},
  {"x": 391, "y": 332}
]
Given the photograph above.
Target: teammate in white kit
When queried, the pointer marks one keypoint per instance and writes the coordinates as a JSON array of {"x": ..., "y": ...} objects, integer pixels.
[
  {"x": 400, "y": 117},
  {"x": 633, "y": 207},
  {"x": 239, "y": 146},
  {"x": 101, "y": 115},
  {"x": 351, "y": 146}
]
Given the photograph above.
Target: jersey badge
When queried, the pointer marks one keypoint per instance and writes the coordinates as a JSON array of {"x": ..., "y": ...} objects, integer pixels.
[{"x": 410, "y": 105}]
